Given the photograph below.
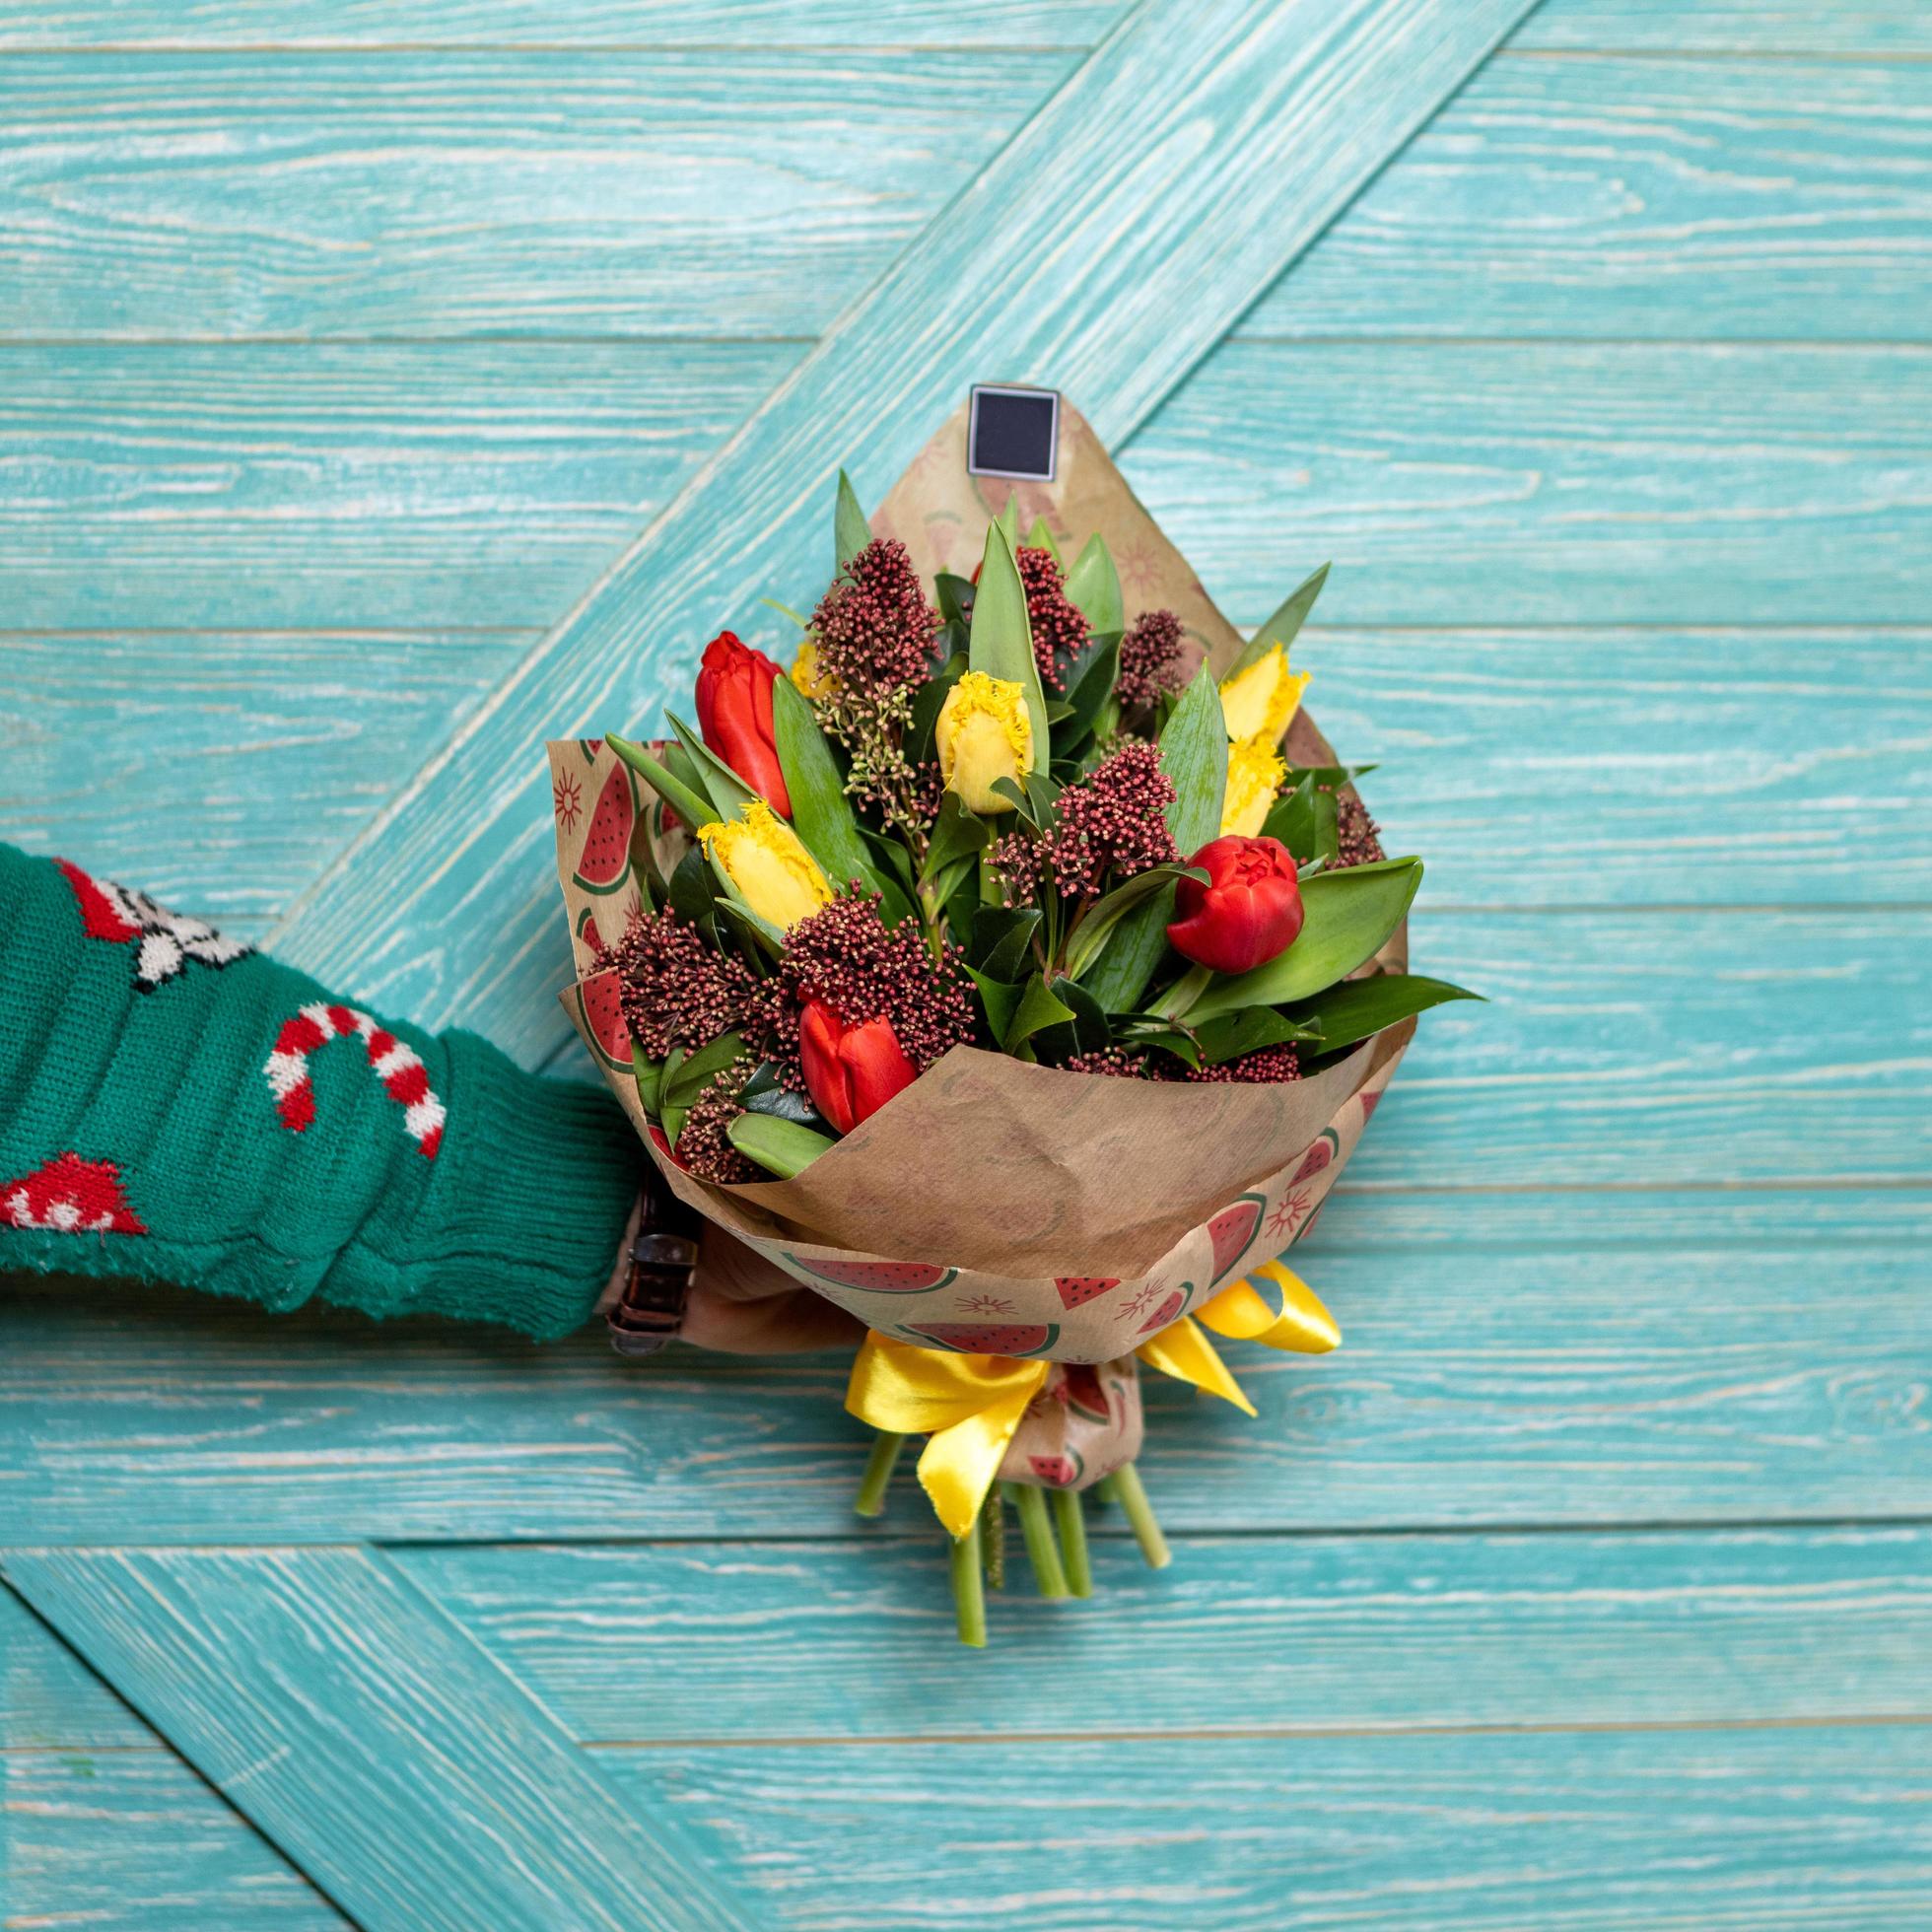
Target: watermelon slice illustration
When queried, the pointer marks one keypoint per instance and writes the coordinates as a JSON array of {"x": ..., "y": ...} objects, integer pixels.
[
  {"x": 1168, "y": 1312},
  {"x": 1233, "y": 1231},
  {"x": 1318, "y": 1155},
  {"x": 987, "y": 1338},
  {"x": 1084, "y": 1391},
  {"x": 1370, "y": 1101},
  {"x": 1077, "y": 1290},
  {"x": 877, "y": 1277},
  {"x": 70, "y": 1196},
  {"x": 1058, "y": 1472},
  {"x": 605, "y": 863},
  {"x": 588, "y": 935},
  {"x": 604, "y": 1018}
]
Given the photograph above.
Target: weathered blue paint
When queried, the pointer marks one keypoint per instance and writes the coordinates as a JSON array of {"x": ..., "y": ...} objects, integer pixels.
[{"x": 343, "y": 347}]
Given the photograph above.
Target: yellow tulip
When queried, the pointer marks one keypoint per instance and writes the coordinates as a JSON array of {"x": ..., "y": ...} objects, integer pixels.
[
  {"x": 766, "y": 866},
  {"x": 1262, "y": 702},
  {"x": 984, "y": 735},
  {"x": 810, "y": 674},
  {"x": 1255, "y": 771}
]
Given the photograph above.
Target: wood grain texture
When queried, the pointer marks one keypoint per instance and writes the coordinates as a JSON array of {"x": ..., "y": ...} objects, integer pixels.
[
  {"x": 386, "y": 26},
  {"x": 134, "y": 1841},
  {"x": 1638, "y": 767},
  {"x": 661, "y": 1644},
  {"x": 1269, "y": 117},
  {"x": 344, "y": 486},
  {"x": 1547, "y": 482},
  {"x": 220, "y": 771},
  {"x": 371, "y": 1742},
  {"x": 1702, "y": 26},
  {"x": 1696, "y": 199},
  {"x": 594, "y": 193},
  {"x": 1754, "y": 1831},
  {"x": 1508, "y": 1359}
]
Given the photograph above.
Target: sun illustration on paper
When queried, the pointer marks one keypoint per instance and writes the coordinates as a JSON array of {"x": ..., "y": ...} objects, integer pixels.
[
  {"x": 1139, "y": 565},
  {"x": 568, "y": 795},
  {"x": 1290, "y": 1211},
  {"x": 1143, "y": 1298},
  {"x": 986, "y": 1304}
]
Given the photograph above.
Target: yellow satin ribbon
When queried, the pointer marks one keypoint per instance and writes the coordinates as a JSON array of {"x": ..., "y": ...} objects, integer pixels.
[{"x": 970, "y": 1407}]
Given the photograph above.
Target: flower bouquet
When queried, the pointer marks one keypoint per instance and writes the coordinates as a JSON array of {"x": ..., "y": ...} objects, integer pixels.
[{"x": 1014, "y": 965}]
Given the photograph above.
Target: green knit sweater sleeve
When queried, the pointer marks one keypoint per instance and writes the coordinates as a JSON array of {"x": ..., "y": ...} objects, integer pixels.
[{"x": 175, "y": 1107}]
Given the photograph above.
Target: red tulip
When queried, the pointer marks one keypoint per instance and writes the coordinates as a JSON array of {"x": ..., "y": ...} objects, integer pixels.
[
  {"x": 852, "y": 1071},
  {"x": 734, "y": 714},
  {"x": 1249, "y": 911}
]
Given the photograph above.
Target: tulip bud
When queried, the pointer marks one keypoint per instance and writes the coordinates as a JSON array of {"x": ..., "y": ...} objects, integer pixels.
[
  {"x": 734, "y": 714},
  {"x": 1263, "y": 700},
  {"x": 811, "y": 675},
  {"x": 1247, "y": 912},
  {"x": 851, "y": 1071},
  {"x": 983, "y": 733},
  {"x": 766, "y": 866},
  {"x": 1254, "y": 776}
]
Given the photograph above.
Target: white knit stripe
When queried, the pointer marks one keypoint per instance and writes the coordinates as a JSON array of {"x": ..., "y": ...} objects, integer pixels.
[
  {"x": 288, "y": 1072},
  {"x": 18, "y": 1211}
]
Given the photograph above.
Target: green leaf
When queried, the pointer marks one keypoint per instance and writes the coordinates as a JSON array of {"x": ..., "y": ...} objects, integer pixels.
[
  {"x": 1096, "y": 926},
  {"x": 1231, "y": 1035},
  {"x": 1002, "y": 937},
  {"x": 761, "y": 933},
  {"x": 1008, "y": 520},
  {"x": 1039, "y": 538},
  {"x": 1093, "y": 687},
  {"x": 821, "y": 813},
  {"x": 728, "y": 793},
  {"x": 850, "y": 531},
  {"x": 777, "y": 1100},
  {"x": 927, "y": 701},
  {"x": 999, "y": 998},
  {"x": 786, "y": 610},
  {"x": 954, "y": 595},
  {"x": 779, "y": 1146},
  {"x": 691, "y": 807},
  {"x": 650, "y": 1076},
  {"x": 1088, "y": 1031},
  {"x": 1357, "y": 1009},
  {"x": 692, "y": 894},
  {"x": 1011, "y": 788},
  {"x": 669, "y": 1118},
  {"x": 1170, "y": 1039},
  {"x": 1346, "y": 917},
  {"x": 1038, "y": 1008},
  {"x": 1093, "y": 588},
  {"x": 957, "y": 833},
  {"x": 1002, "y": 642},
  {"x": 1284, "y": 625},
  {"x": 1193, "y": 755},
  {"x": 695, "y": 1070}
]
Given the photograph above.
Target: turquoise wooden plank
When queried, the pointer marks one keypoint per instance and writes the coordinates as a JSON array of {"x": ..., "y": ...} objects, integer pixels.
[
  {"x": 1638, "y": 767},
  {"x": 1702, "y": 1356},
  {"x": 1269, "y": 117},
  {"x": 372, "y": 1741},
  {"x": 1698, "y": 199},
  {"x": 668, "y": 1643},
  {"x": 1875, "y": 26},
  {"x": 219, "y": 771},
  {"x": 592, "y": 193},
  {"x": 392, "y": 26},
  {"x": 49, "y": 1700},
  {"x": 133, "y": 1842},
  {"x": 1775, "y": 1830},
  {"x": 161, "y": 486},
  {"x": 1508, "y": 483}
]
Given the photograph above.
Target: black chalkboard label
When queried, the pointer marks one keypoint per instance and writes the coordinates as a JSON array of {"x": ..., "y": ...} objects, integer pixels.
[{"x": 1013, "y": 433}]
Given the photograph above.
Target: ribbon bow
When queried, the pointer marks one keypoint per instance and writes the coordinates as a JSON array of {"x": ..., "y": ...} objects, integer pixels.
[{"x": 970, "y": 1407}]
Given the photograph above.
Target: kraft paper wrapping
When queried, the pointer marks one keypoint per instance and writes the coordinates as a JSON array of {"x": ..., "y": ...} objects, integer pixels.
[{"x": 996, "y": 1206}]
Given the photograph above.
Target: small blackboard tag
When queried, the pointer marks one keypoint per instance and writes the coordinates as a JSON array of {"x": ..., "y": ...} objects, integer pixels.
[{"x": 1013, "y": 433}]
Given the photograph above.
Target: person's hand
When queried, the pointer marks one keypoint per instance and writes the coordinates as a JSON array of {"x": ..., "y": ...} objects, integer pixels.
[{"x": 745, "y": 1305}]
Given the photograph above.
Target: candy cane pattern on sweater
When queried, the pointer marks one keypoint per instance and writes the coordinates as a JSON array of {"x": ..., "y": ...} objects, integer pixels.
[{"x": 397, "y": 1065}]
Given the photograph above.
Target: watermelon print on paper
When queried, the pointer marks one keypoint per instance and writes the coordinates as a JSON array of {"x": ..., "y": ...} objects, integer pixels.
[
  {"x": 877, "y": 1277},
  {"x": 70, "y": 1196},
  {"x": 603, "y": 861}
]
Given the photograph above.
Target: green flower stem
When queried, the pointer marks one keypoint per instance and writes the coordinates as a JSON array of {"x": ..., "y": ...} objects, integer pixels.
[
  {"x": 992, "y": 1530},
  {"x": 1071, "y": 1519},
  {"x": 879, "y": 1466},
  {"x": 1139, "y": 1512},
  {"x": 1182, "y": 995},
  {"x": 1106, "y": 1490},
  {"x": 991, "y": 891},
  {"x": 1042, "y": 1552},
  {"x": 968, "y": 1588}
]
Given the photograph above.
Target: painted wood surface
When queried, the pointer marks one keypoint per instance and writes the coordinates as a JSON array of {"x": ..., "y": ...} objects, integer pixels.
[
  {"x": 1561, "y": 1356},
  {"x": 1271, "y": 116},
  {"x": 360, "y": 1705},
  {"x": 592, "y": 193},
  {"x": 1607, "y": 394}
]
